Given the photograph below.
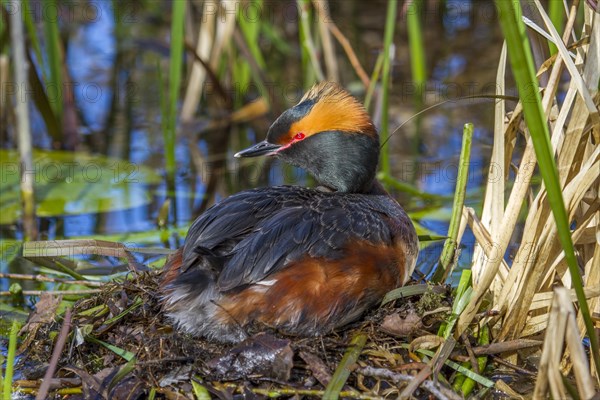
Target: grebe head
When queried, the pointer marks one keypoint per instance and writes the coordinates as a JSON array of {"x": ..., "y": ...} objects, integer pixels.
[{"x": 329, "y": 134}]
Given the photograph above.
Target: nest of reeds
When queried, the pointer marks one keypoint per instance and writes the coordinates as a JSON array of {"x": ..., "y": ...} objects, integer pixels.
[{"x": 118, "y": 345}]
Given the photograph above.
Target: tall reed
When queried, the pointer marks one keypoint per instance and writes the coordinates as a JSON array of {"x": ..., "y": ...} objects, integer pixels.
[
  {"x": 448, "y": 255},
  {"x": 21, "y": 68},
  {"x": 388, "y": 53},
  {"x": 557, "y": 15},
  {"x": 418, "y": 66},
  {"x": 55, "y": 59},
  {"x": 10, "y": 362},
  {"x": 175, "y": 65}
]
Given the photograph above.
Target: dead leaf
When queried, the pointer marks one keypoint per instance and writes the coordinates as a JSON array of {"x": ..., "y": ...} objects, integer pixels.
[
  {"x": 318, "y": 368},
  {"x": 397, "y": 325},
  {"x": 426, "y": 342},
  {"x": 44, "y": 313}
]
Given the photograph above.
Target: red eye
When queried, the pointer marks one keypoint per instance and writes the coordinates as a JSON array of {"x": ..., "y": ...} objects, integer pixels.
[{"x": 299, "y": 136}]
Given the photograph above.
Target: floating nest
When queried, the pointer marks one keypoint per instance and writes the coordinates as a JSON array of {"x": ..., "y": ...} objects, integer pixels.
[{"x": 118, "y": 345}]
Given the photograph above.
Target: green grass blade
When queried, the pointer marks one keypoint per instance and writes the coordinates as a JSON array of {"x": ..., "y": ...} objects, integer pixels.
[
  {"x": 54, "y": 53},
  {"x": 374, "y": 80},
  {"x": 10, "y": 361},
  {"x": 122, "y": 373},
  {"x": 469, "y": 384},
  {"x": 464, "y": 290},
  {"x": 457, "y": 367},
  {"x": 450, "y": 245},
  {"x": 417, "y": 51},
  {"x": 523, "y": 70},
  {"x": 390, "y": 24},
  {"x": 137, "y": 302},
  {"x": 127, "y": 355},
  {"x": 200, "y": 391},
  {"x": 457, "y": 308},
  {"x": 342, "y": 372},
  {"x": 463, "y": 285},
  {"x": 309, "y": 51},
  {"x": 557, "y": 15},
  {"x": 465, "y": 371},
  {"x": 175, "y": 64},
  {"x": 250, "y": 28},
  {"x": 33, "y": 36}
]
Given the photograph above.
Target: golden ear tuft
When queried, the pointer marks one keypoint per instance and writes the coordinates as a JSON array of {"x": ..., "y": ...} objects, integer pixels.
[{"x": 334, "y": 110}]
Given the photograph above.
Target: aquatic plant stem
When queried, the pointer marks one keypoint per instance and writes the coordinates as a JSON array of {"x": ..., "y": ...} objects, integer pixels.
[
  {"x": 417, "y": 52},
  {"x": 449, "y": 250},
  {"x": 557, "y": 15},
  {"x": 175, "y": 64},
  {"x": 373, "y": 81},
  {"x": 10, "y": 359},
  {"x": 388, "y": 52},
  {"x": 308, "y": 46},
  {"x": 53, "y": 46}
]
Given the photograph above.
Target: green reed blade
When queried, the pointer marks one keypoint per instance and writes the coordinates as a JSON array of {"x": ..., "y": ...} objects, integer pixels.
[
  {"x": 54, "y": 53},
  {"x": 390, "y": 24},
  {"x": 33, "y": 36},
  {"x": 449, "y": 250},
  {"x": 250, "y": 26},
  {"x": 175, "y": 64},
  {"x": 10, "y": 361},
  {"x": 417, "y": 51},
  {"x": 557, "y": 15},
  {"x": 342, "y": 372},
  {"x": 374, "y": 80}
]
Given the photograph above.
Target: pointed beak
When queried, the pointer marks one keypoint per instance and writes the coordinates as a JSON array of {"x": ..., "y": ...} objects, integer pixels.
[{"x": 260, "y": 149}]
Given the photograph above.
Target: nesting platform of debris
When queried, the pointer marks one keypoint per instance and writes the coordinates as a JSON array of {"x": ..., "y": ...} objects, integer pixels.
[{"x": 119, "y": 346}]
